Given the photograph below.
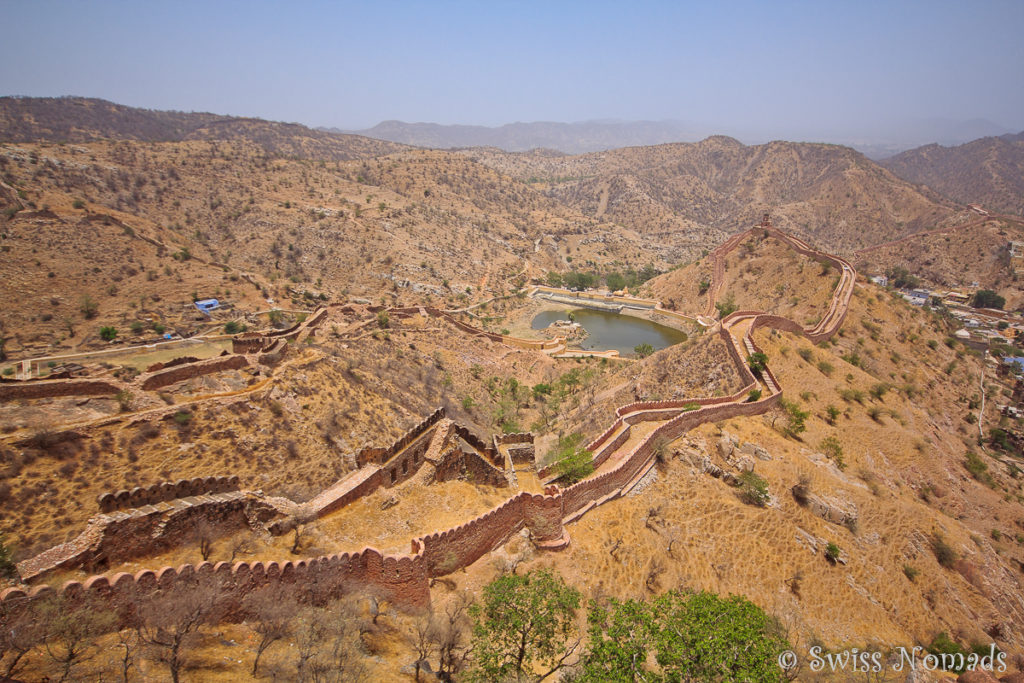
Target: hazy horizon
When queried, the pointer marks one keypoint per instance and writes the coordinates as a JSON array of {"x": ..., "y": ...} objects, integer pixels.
[{"x": 794, "y": 70}]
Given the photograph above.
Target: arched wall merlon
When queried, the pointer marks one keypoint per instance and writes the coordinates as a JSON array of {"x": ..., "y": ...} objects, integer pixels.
[
  {"x": 400, "y": 579},
  {"x": 164, "y": 491}
]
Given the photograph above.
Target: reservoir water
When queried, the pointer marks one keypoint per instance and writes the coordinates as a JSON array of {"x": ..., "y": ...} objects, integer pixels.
[{"x": 607, "y": 330}]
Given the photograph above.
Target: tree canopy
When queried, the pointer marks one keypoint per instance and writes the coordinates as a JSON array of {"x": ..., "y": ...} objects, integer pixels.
[
  {"x": 524, "y": 623},
  {"x": 986, "y": 298}
]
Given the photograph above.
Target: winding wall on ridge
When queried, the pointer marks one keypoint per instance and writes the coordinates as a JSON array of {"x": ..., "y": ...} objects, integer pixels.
[{"x": 404, "y": 579}]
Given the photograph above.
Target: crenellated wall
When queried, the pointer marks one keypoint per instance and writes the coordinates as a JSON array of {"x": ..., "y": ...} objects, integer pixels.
[
  {"x": 450, "y": 550},
  {"x": 378, "y": 456},
  {"x": 183, "y": 488},
  {"x": 399, "y": 579},
  {"x": 118, "y": 536}
]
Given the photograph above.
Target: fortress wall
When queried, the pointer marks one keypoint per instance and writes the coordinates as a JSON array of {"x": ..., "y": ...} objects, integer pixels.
[
  {"x": 121, "y": 535},
  {"x": 479, "y": 444},
  {"x": 163, "y": 378},
  {"x": 12, "y": 391},
  {"x": 273, "y": 353},
  {"x": 404, "y": 579},
  {"x": 359, "y": 489},
  {"x": 248, "y": 343},
  {"x": 450, "y": 550},
  {"x": 379, "y": 456},
  {"x": 401, "y": 580},
  {"x": 183, "y": 488}
]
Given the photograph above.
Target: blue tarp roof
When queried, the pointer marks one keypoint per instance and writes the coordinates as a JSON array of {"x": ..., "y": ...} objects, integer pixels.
[{"x": 207, "y": 304}]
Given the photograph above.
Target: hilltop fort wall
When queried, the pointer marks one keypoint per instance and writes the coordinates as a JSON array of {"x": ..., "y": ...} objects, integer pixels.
[{"x": 405, "y": 578}]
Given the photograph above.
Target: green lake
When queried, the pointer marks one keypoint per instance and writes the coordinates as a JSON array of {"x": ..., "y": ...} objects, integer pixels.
[{"x": 607, "y": 330}]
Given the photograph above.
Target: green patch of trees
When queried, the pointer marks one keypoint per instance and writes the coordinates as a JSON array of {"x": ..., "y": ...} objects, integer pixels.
[
  {"x": 525, "y": 630},
  {"x": 986, "y": 298}
]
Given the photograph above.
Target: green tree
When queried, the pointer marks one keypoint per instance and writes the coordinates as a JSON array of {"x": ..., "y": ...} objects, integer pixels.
[
  {"x": 88, "y": 307},
  {"x": 726, "y": 307},
  {"x": 703, "y": 637},
  {"x": 900, "y": 278},
  {"x": 553, "y": 279},
  {"x": 832, "y": 552},
  {"x": 615, "y": 281},
  {"x": 620, "y": 635},
  {"x": 643, "y": 350},
  {"x": 233, "y": 327},
  {"x": 524, "y": 623},
  {"x": 579, "y": 281},
  {"x": 107, "y": 333},
  {"x": 757, "y": 361},
  {"x": 795, "y": 419},
  {"x": 754, "y": 489},
  {"x": 383, "y": 320},
  {"x": 986, "y": 298},
  {"x": 572, "y": 461}
]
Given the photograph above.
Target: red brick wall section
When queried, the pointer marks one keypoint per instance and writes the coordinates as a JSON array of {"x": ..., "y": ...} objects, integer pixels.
[
  {"x": 379, "y": 456},
  {"x": 10, "y": 391},
  {"x": 403, "y": 579},
  {"x": 122, "y": 535},
  {"x": 399, "y": 579},
  {"x": 248, "y": 343},
  {"x": 451, "y": 550},
  {"x": 139, "y": 496},
  {"x": 172, "y": 375}
]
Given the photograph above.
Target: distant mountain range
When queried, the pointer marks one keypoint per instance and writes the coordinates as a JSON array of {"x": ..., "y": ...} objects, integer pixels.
[{"x": 876, "y": 142}]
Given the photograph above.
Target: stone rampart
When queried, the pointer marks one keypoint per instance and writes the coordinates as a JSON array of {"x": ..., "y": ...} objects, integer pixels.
[
  {"x": 12, "y": 391},
  {"x": 273, "y": 354},
  {"x": 450, "y": 550},
  {"x": 250, "y": 342},
  {"x": 404, "y": 578},
  {"x": 399, "y": 579},
  {"x": 121, "y": 535},
  {"x": 183, "y": 488},
  {"x": 163, "y": 378},
  {"x": 378, "y": 456}
]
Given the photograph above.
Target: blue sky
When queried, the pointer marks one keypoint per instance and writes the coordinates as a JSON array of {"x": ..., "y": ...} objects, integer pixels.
[{"x": 791, "y": 69}]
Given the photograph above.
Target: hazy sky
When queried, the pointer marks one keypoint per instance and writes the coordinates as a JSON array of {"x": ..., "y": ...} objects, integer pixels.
[{"x": 818, "y": 67}]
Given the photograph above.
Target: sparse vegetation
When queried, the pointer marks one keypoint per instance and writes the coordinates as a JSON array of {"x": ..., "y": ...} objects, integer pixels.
[
  {"x": 572, "y": 462},
  {"x": 754, "y": 489}
]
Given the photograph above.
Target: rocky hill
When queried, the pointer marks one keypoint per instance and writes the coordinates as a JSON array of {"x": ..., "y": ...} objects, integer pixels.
[
  {"x": 832, "y": 194},
  {"x": 988, "y": 171}
]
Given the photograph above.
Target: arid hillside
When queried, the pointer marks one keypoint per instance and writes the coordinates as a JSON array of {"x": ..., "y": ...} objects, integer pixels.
[
  {"x": 979, "y": 251},
  {"x": 830, "y": 193},
  {"x": 989, "y": 171},
  {"x": 413, "y": 226}
]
